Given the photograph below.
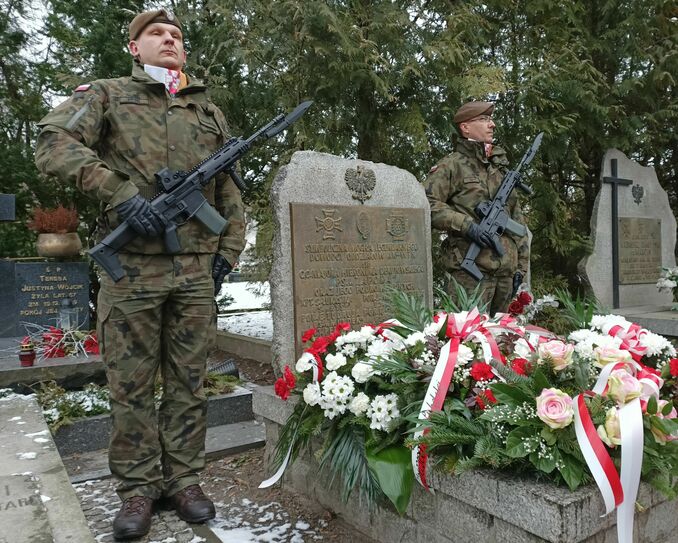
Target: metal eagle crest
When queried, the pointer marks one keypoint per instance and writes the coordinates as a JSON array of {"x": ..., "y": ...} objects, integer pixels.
[{"x": 361, "y": 181}]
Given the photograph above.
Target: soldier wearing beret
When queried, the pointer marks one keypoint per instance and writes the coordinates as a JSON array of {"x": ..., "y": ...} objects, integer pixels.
[
  {"x": 109, "y": 138},
  {"x": 455, "y": 186}
]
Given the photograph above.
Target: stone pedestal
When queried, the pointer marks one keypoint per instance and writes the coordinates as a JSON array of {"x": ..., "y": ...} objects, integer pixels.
[{"x": 483, "y": 506}]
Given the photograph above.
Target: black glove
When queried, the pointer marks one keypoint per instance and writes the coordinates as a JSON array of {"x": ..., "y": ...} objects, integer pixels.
[
  {"x": 474, "y": 233},
  {"x": 517, "y": 281},
  {"x": 220, "y": 269},
  {"x": 141, "y": 216}
]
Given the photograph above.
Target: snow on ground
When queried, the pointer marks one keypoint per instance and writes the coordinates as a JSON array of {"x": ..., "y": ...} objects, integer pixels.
[{"x": 247, "y": 296}]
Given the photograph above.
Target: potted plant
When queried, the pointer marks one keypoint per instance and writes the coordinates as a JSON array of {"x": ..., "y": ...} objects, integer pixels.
[{"x": 57, "y": 231}]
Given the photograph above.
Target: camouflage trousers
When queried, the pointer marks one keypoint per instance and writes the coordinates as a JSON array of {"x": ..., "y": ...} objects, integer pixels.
[
  {"x": 495, "y": 290},
  {"x": 158, "y": 320}
]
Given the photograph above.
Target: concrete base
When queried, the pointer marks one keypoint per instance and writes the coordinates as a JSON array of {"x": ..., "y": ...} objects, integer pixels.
[
  {"x": 658, "y": 319},
  {"x": 485, "y": 506},
  {"x": 37, "y": 494},
  {"x": 92, "y": 433},
  {"x": 244, "y": 346}
]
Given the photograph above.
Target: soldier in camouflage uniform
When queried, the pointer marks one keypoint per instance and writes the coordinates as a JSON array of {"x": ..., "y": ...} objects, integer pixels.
[
  {"x": 455, "y": 186},
  {"x": 109, "y": 138}
]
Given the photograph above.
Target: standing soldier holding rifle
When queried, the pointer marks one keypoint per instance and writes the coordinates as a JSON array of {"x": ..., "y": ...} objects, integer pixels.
[
  {"x": 470, "y": 176},
  {"x": 110, "y": 138}
]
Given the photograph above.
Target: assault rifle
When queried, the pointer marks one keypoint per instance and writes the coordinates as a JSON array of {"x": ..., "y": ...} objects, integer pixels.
[
  {"x": 494, "y": 220},
  {"x": 181, "y": 197}
]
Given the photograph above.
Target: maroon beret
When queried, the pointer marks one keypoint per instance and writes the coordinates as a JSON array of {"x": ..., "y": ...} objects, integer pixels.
[
  {"x": 470, "y": 110},
  {"x": 144, "y": 19}
]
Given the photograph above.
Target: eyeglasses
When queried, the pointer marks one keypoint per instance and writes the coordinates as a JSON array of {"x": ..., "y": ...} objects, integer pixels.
[{"x": 481, "y": 118}]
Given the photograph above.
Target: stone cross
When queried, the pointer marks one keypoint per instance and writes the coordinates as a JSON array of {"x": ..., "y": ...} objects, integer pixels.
[
  {"x": 7, "y": 207},
  {"x": 615, "y": 182}
]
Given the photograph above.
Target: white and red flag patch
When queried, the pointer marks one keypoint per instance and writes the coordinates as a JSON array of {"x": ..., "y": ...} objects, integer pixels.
[{"x": 83, "y": 87}]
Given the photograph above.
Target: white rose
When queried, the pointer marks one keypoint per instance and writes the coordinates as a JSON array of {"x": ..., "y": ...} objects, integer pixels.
[
  {"x": 335, "y": 361},
  {"x": 305, "y": 363},
  {"x": 312, "y": 393},
  {"x": 522, "y": 348},
  {"x": 464, "y": 355}
]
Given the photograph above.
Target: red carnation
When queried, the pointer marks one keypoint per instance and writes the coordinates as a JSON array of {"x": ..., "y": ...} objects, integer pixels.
[
  {"x": 515, "y": 308},
  {"x": 281, "y": 388},
  {"x": 481, "y": 371},
  {"x": 673, "y": 367},
  {"x": 484, "y": 398},
  {"x": 520, "y": 366},
  {"x": 342, "y": 327},
  {"x": 289, "y": 377},
  {"x": 524, "y": 298},
  {"x": 319, "y": 346},
  {"x": 308, "y": 334},
  {"x": 91, "y": 345}
]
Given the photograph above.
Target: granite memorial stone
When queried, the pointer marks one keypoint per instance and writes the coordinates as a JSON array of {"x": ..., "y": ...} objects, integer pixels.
[
  {"x": 21, "y": 506},
  {"x": 634, "y": 235},
  {"x": 34, "y": 292},
  {"x": 346, "y": 230}
]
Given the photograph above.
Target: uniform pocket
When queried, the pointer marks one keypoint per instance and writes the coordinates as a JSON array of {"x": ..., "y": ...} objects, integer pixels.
[
  {"x": 207, "y": 120},
  {"x": 103, "y": 316}
]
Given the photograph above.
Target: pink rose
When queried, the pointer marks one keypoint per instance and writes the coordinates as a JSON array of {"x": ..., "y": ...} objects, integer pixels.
[
  {"x": 659, "y": 436},
  {"x": 610, "y": 432},
  {"x": 556, "y": 353},
  {"x": 610, "y": 355},
  {"x": 554, "y": 407},
  {"x": 623, "y": 387}
]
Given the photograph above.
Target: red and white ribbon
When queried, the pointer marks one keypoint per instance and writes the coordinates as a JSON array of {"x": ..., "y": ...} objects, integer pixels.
[{"x": 619, "y": 490}]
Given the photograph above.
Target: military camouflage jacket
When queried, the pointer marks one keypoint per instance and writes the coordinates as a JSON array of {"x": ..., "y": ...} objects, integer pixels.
[
  {"x": 112, "y": 135},
  {"x": 454, "y": 187}
]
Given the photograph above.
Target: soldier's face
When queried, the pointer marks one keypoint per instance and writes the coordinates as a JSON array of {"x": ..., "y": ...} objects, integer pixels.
[
  {"x": 159, "y": 44},
  {"x": 480, "y": 128}
]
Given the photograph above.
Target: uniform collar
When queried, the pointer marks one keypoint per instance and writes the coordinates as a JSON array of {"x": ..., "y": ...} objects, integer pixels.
[
  {"x": 139, "y": 75},
  {"x": 476, "y": 149}
]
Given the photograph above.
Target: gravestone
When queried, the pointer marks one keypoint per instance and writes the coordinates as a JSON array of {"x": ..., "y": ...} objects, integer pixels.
[
  {"x": 346, "y": 230},
  {"x": 32, "y": 292},
  {"x": 7, "y": 207},
  {"x": 20, "y": 505},
  {"x": 634, "y": 235}
]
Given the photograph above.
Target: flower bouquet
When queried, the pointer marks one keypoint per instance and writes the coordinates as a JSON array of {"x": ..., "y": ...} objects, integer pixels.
[
  {"x": 463, "y": 391},
  {"x": 667, "y": 282}
]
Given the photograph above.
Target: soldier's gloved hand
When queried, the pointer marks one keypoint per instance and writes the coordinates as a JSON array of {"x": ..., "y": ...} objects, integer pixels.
[
  {"x": 517, "y": 281},
  {"x": 474, "y": 233},
  {"x": 140, "y": 215},
  {"x": 220, "y": 269}
]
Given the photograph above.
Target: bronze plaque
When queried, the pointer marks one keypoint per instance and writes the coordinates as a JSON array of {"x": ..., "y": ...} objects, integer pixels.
[
  {"x": 343, "y": 257},
  {"x": 640, "y": 250}
]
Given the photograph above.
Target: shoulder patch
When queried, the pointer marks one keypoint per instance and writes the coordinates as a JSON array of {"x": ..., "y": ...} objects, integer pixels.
[
  {"x": 82, "y": 88},
  {"x": 433, "y": 169}
]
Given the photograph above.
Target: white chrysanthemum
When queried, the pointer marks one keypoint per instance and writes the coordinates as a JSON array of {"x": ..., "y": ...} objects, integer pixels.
[
  {"x": 383, "y": 411},
  {"x": 339, "y": 388},
  {"x": 522, "y": 348},
  {"x": 353, "y": 336},
  {"x": 348, "y": 350},
  {"x": 361, "y": 372},
  {"x": 425, "y": 359},
  {"x": 305, "y": 362},
  {"x": 606, "y": 322},
  {"x": 335, "y": 361},
  {"x": 654, "y": 343},
  {"x": 359, "y": 404},
  {"x": 367, "y": 333},
  {"x": 414, "y": 338},
  {"x": 584, "y": 349},
  {"x": 464, "y": 355},
  {"x": 312, "y": 393}
]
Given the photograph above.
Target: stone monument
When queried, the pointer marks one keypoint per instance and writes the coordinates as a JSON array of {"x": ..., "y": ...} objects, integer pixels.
[
  {"x": 634, "y": 235},
  {"x": 346, "y": 230}
]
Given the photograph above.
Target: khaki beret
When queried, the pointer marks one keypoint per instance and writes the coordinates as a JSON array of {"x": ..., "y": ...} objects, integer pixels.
[
  {"x": 144, "y": 19},
  {"x": 471, "y": 110}
]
